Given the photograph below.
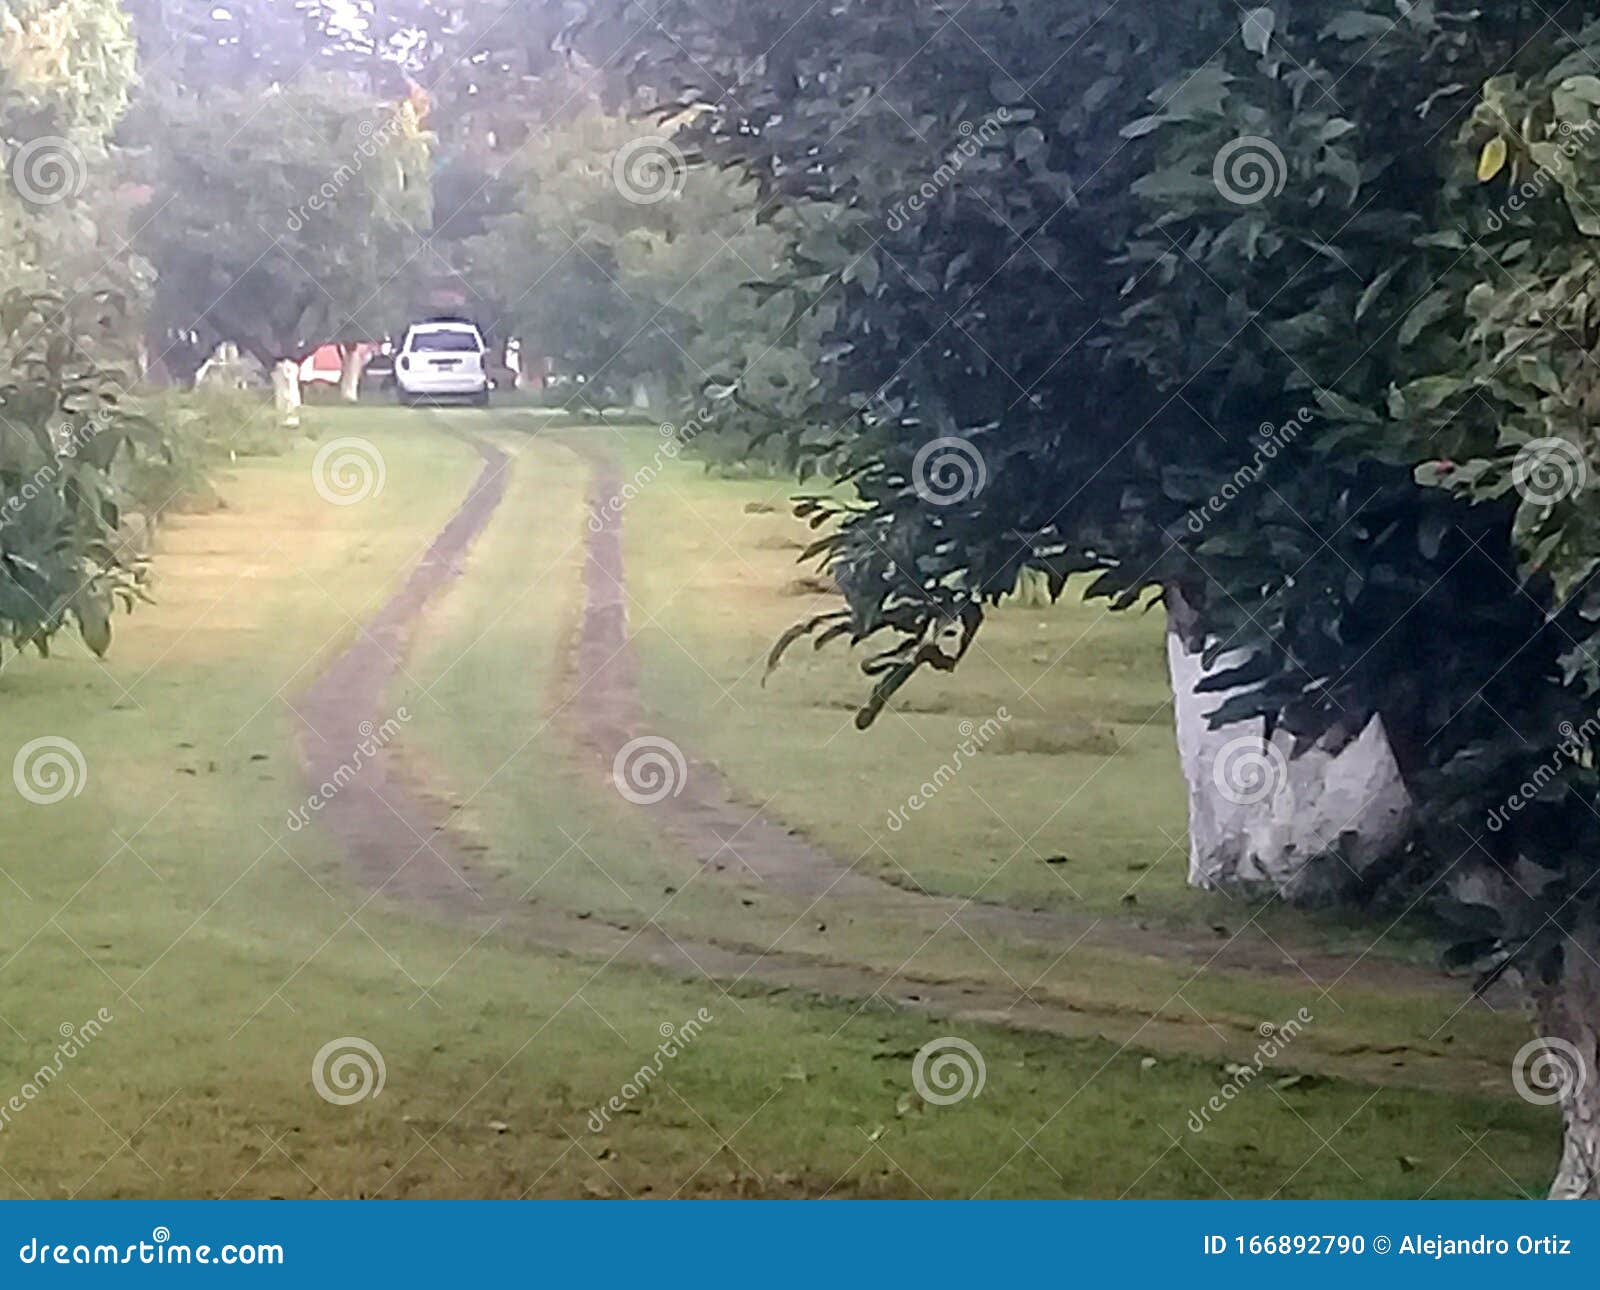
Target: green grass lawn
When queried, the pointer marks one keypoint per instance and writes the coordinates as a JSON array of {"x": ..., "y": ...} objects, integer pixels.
[{"x": 228, "y": 950}]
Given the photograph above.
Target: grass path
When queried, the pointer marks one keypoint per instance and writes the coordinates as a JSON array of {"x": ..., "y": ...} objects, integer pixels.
[{"x": 230, "y": 947}]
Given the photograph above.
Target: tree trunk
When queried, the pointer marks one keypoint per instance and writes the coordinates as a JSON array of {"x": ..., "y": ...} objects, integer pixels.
[
  {"x": 530, "y": 369},
  {"x": 649, "y": 395},
  {"x": 1310, "y": 826},
  {"x": 352, "y": 362},
  {"x": 286, "y": 391},
  {"x": 1563, "y": 1065}
]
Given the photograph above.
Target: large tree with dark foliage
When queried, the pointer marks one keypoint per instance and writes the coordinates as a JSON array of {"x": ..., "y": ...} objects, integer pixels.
[
  {"x": 284, "y": 224},
  {"x": 1192, "y": 222}
]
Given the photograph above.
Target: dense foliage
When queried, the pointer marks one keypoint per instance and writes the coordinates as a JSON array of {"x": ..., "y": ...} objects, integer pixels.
[
  {"x": 625, "y": 265},
  {"x": 68, "y": 323}
]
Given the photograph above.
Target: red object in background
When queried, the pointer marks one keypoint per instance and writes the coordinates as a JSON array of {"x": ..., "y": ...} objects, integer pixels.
[{"x": 322, "y": 364}]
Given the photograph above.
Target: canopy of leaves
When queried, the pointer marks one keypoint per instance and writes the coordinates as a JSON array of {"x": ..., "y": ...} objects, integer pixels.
[
  {"x": 626, "y": 265},
  {"x": 284, "y": 226}
]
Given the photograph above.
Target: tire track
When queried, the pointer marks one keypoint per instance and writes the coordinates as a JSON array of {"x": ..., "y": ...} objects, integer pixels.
[{"x": 395, "y": 835}]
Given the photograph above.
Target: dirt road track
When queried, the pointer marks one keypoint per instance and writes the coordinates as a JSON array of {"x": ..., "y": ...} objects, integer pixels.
[{"x": 396, "y": 837}]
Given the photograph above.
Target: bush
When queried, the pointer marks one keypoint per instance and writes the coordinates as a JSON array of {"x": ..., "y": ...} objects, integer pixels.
[{"x": 195, "y": 429}]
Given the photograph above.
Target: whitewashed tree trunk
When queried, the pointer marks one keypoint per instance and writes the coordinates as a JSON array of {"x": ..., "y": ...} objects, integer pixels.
[
  {"x": 352, "y": 362},
  {"x": 1307, "y": 826},
  {"x": 1568, "y": 1013},
  {"x": 286, "y": 392}
]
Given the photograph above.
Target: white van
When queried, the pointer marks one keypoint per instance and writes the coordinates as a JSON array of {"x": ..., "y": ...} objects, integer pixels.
[{"x": 442, "y": 358}]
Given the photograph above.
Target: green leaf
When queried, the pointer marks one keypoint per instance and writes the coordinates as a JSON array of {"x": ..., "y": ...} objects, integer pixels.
[
  {"x": 1197, "y": 97},
  {"x": 1428, "y": 393},
  {"x": 1143, "y": 126},
  {"x": 1257, "y": 29},
  {"x": 1374, "y": 289},
  {"x": 1428, "y": 311},
  {"x": 1586, "y": 88},
  {"x": 1355, "y": 25},
  {"x": 1492, "y": 160},
  {"x": 1538, "y": 372}
]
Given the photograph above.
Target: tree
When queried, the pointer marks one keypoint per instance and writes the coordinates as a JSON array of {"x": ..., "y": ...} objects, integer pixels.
[
  {"x": 285, "y": 229},
  {"x": 1110, "y": 309},
  {"x": 631, "y": 268}
]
